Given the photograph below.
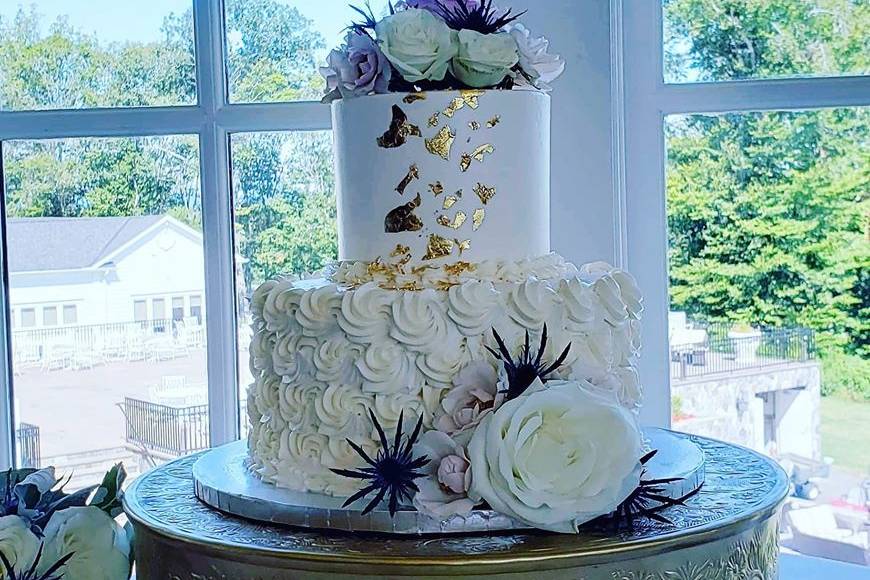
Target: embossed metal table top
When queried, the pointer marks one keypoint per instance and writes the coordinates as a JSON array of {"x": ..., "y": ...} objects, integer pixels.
[{"x": 742, "y": 487}]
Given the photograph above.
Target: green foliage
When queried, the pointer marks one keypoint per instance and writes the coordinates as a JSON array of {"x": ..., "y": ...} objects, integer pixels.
[
  {"x": 768, "y": 211},
  {"x": 846, "y": 375}
]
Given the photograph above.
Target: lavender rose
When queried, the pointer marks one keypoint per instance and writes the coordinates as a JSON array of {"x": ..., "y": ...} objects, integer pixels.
[
  {"x": 359, "y": 69},
  {"x": 444, "y": 490},
  {"x": 474, "y": 395}
]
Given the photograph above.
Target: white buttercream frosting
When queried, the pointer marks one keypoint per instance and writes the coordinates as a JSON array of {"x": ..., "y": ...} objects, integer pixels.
[{"x": 326, "y": 353}]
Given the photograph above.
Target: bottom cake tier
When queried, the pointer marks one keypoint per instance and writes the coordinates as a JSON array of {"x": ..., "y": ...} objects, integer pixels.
[{"x": 727, "y": 531}]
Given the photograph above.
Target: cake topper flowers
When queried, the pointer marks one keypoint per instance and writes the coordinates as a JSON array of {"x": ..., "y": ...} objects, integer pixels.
[{"x": 438, "y": 45}]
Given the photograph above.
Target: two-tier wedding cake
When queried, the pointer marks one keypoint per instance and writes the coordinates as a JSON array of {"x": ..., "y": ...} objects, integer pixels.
[{"x": 449, "y": 360}]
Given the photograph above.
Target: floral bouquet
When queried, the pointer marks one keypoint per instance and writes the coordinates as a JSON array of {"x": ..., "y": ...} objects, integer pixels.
[
  {"x": 439, "y": 45},
  {"x": 48, "y": 534},
  {"x": 551, "y": 453}
]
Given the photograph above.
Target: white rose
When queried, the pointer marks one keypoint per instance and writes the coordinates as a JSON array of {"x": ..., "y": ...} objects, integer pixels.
[
  {"x": 17, "y": 543},
  {"x": 539, "y": 65},
  {"x": 484, "y": 60},
  {"x": 556, "y": 457},
  {"x": 418, "y": 43},
  {"x": 100, "y": 547}
]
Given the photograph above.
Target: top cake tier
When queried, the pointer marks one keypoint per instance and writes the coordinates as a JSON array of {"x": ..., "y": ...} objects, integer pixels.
[{"x": 442, "y": 177}]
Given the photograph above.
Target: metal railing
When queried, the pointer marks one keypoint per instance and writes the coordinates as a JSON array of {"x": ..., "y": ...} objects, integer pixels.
[
  {"x": 174, "y": 431},
  {"x": 720, "y": 353},
  {"x": 83, "y": 345},
  {"x": 27, "y": 439}
]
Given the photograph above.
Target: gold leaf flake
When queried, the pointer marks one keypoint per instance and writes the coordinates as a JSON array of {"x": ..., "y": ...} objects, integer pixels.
[
  {"x": 445, "y": 285},
  {"x": 414, "y": 97},
  {"x": 470, "y": 97},
  {"x": 434, "y": 119},
  {"x": 493, "y": 122},
  {"x": 455, "y": 105},
  {"x": 412, "y": 286},
  {"x": 436, "y": 188},
  {"x": 413, "y": 173},
  {"x": 450, "y": 201},
  {"x": 478, "y": 217},
  {"x": 438, "y": 247},
  {"x": 403, "y": 219},
  {"x": 460, "y": 267},
  {"x": 474, "y": 125},
  {"x": 441, "y": 143},
  {"x": 399, "y": 131},
  {"x": 400, "y": 251},
  {"x": 478, "y": 154},
  {"x": 484, "y": 193},
  {"x": 465, "y": 162},
  {"x": 463, "y": 246},
  {"x": 456, "y": 223}
]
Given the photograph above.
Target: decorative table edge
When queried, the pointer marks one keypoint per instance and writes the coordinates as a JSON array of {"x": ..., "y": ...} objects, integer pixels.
[{"x": 532, "y": 549}]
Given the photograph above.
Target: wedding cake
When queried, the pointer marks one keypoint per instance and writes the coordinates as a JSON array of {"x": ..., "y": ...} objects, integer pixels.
[{"x": 449, "y": 360}]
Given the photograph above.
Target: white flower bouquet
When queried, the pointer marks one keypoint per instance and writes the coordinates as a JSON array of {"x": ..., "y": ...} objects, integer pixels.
[
  {"x": 439, "y": 45},
  {"x": 48, "y": 534}
]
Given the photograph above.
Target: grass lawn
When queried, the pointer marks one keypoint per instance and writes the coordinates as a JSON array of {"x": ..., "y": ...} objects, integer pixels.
[{"x": 846, "y": 433}]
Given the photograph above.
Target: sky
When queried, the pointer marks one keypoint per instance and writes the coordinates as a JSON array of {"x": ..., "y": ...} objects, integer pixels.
[{"x": 139, "y": 21}]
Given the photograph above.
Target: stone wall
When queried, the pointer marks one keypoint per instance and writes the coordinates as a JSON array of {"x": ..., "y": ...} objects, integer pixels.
[{"x": 772, "y": 410}]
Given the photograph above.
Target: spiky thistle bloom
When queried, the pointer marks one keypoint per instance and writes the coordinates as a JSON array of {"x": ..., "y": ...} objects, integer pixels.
[
  {"x": 523, "y": 371},
  {"x": 52, "y": 573},
  {"x": 648, "y": 500},
  {"x": 392, "y": 472},
  {"x": 482, "y": 17}
]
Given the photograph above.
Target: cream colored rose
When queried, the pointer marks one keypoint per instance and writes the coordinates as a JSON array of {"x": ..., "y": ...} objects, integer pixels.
[
  {"x": 100, "y": 547},
  {"x": 556, "y": 457},
  {"x": 484, "y": 60},
  {"x": 17, "y": 543},
  {"x": 418, "y": 43},
  {"x": 444, "y": 489}
]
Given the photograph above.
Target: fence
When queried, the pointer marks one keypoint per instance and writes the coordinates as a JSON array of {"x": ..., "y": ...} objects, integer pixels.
[
  {"x": 83, "y": 346},
  {"x": 720, "y": 353},
  {"x": 27, "y": 438},
  {"x": 174, "y": 431}
]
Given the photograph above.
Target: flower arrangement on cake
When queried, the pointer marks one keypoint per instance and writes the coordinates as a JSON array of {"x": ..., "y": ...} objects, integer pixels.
[
  {"x": 48, "y": 534},
  {"x": 425, "y": 45},
  {"x": 553, "y": 454}
]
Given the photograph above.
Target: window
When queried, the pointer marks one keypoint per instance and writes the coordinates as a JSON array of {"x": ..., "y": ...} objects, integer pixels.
[
  {"x": 196, "y": 308},
  {"x": 177, "y": 308},
  {"x": 85, "y": 54},
  {"x": 140, "y": 310},
  {"x": 746, "y": 225},
  {"x": 49, "y": 316},
  {"x": 70, "y": 314},
  {"x": 148, "y": 124},
  {"x": 28, "y": 317}
]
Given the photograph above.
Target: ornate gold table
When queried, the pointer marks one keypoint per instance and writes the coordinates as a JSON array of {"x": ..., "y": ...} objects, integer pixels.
[{"x": 727, "y": 531}]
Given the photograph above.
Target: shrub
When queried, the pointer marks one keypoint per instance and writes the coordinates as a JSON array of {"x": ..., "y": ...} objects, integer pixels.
[{"x": 846, "y": 375}]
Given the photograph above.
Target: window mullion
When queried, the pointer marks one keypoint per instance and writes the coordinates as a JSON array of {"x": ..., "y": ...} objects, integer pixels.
[
  {"x": 7, "y": 419},
  {"x": 217, "y": 220}
]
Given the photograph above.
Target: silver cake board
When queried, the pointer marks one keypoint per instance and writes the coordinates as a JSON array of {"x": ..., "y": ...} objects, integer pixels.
[{"x": 223, "y": 481}]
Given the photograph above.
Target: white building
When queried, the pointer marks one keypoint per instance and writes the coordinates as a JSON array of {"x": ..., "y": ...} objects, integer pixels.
[{"x": 84, "y": 271}]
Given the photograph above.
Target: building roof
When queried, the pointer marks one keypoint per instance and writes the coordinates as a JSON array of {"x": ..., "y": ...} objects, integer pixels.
[{"x": 39, "y": 244}]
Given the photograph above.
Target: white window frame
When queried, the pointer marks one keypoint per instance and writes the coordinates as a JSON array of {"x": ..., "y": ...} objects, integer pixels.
[
  {"x": 212, "y": 119},
  {"x": 642, "y": 101}
]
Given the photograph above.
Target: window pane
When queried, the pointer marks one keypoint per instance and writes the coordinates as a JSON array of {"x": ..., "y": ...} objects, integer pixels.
[
  {"x": 100, "y": 53},
  {"x": 285, "y": 214},
  {"x": 49, "y": 316},
  {"x": 70, "y": 314},
  {"x": 770, "y": 290},
  {"x": 275, "y": 47},
  {"x": 108, "y": 228},
  {"x": 755, "y": 39}
]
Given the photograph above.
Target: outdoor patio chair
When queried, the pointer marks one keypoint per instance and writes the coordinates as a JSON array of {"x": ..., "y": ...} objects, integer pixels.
[{"x": 816, "y": 532}]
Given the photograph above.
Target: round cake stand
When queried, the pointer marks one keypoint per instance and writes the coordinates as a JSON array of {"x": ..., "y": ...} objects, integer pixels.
[{"x": 727, "y": 531}]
